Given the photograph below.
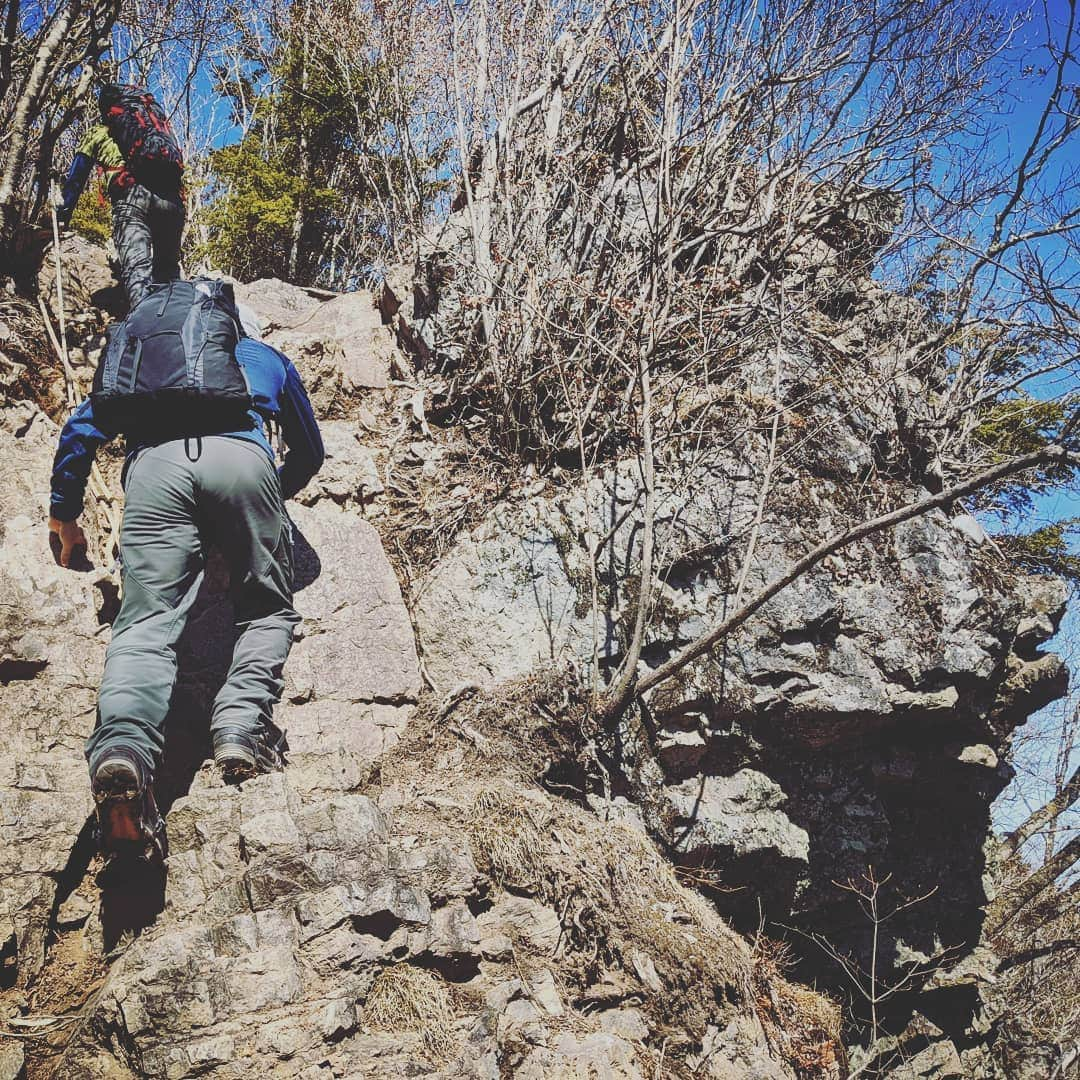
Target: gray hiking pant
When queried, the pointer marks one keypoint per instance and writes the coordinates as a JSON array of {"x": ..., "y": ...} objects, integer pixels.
[
  {"x": 181, "y": 497},
  {"x": 146, "y": 231}
]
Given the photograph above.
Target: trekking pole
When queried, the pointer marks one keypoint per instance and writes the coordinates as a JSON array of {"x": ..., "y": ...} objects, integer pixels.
[{"x": 72, "y": 388}]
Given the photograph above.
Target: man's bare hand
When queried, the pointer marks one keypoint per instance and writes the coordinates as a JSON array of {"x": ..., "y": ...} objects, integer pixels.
[{"x": 71, "y": 538}]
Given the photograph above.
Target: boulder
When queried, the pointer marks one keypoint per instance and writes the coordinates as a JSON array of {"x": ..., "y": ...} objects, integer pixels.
[
  {"x": 89, "y": 281},
  {"x": 337, "y": 341}
]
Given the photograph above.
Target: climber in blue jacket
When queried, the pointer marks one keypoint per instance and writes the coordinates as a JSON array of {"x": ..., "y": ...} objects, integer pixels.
[{"x": 182, "y": 494}]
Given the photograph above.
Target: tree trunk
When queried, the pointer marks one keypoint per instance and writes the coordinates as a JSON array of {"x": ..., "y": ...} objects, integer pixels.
[
  {"x": 1043, "y": 817},
  {"x": 7, "y": 45},
  {"x": 1036, "y": 883},
  {"x": 306, "y": 164},
  {"x": 51, "y": 42}
]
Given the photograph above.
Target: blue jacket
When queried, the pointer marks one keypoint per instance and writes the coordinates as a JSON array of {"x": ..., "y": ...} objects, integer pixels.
[{"x": 276, "y": 388}]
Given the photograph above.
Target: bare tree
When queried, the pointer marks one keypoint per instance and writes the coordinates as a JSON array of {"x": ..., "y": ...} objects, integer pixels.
[
  {"x": 1034, "y": 924},
  {"x": 46, "y": 61},
  {"x": 656, "y": 206},
  {"x": 872, "y": 981}
]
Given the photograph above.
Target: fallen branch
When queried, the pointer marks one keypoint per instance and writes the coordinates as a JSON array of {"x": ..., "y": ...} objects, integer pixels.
[
  {"x": 455, "y": 698},
  {"x": 1055, "y": 454}
]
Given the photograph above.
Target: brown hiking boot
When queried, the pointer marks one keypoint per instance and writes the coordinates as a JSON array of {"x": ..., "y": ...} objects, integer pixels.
[{"x": 129, "y": 825}]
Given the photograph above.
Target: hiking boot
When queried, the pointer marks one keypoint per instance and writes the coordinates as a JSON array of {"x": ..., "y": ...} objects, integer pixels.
[
  {"x": 243, "y": 754},
  {"x": 129, "y": 825}
]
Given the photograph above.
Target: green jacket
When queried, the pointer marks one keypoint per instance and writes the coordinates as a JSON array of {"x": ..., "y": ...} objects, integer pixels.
[{"x": 97, "y": 147}]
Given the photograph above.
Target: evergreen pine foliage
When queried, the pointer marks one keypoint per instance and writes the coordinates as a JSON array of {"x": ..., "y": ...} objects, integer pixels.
[
  {"x": 1013, "y": 426},
  {"x": 250, "y": 224},
  {"x": 317, "y": 191},
  {"x": 1045, "y": 550}
]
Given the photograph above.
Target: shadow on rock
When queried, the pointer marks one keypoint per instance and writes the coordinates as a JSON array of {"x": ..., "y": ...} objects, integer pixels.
[
  {"x": 204, "y": 653},
  {"x": 307, "y": 566},
  {"x": 131, "y": 892},
  {"x": 132, "y": 897},
  {"x": 79, "y": 559},
  {"x": 111, "y": 300}
]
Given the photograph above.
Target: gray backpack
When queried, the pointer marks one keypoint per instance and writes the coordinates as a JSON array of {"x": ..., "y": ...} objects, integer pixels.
[{"x": 170, "y": 368}]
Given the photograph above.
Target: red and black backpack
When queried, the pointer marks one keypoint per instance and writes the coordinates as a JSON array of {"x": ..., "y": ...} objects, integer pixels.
[{"x": 139, "y": 127}]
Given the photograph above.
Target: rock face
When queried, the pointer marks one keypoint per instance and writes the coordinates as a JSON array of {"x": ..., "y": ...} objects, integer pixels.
[
  {"x": 351, "y": 683},
  {"x": 337, "y": 342},
  {"x": 850, "y": 724},
  {"x": 859, "y": 719},
  {"x": 51, "y": 651},
  {"x": 352, "y": 915}
]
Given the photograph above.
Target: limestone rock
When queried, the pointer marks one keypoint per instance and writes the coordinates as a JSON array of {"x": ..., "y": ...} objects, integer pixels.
[
  {"x": 500, "y": 603},
  {"x": 626, "y": 1023},
  {"x": 734, "y": 1053},
  {"x": 89, "y": 281},
  {"x": 357, "y": 643},
  {"x": 575, "y": 1058},
  {"x": 520, "y": 917},
  {"x": 876, "y": 690},
  {"x": 51, "y": 651},
  {"x": 338, "y": 342},
  {"x": 454, "y": 934},
  {"x": 349, "y": 476},
  {"x": 938, "y": 1061},
  {"x": 741, "y": 812}
]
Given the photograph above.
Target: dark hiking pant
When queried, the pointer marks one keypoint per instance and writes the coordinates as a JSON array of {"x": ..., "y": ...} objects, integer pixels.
[
  {"x": 146, "y": 231},
  {"x": 181, "y": 497}
]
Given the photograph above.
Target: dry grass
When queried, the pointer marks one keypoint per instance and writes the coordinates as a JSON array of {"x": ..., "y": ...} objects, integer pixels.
[
  {"x": 620, "y": 902},
  {"x": 802, "y": 1024},
  {"x": 28, "y": 369},
  {"x": 407, "y": 998},
  {"x": 507, "y": 838},
  {"x": 627, "y": 921},
  {"x": 525, "y": 726}
]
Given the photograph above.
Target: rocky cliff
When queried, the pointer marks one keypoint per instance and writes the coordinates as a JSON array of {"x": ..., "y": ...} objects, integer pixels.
[
  {"x": 444, "y": 882},
  {"x": 828, "y": 770},
  {"x": 406, "y": 898}
]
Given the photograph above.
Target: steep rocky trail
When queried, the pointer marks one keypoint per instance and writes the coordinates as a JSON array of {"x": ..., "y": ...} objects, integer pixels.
[{"x": 404, "y": 899}]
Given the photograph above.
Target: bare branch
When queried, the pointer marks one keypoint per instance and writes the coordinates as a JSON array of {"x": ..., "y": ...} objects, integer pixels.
[{"x": 1054, "y": 454}]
